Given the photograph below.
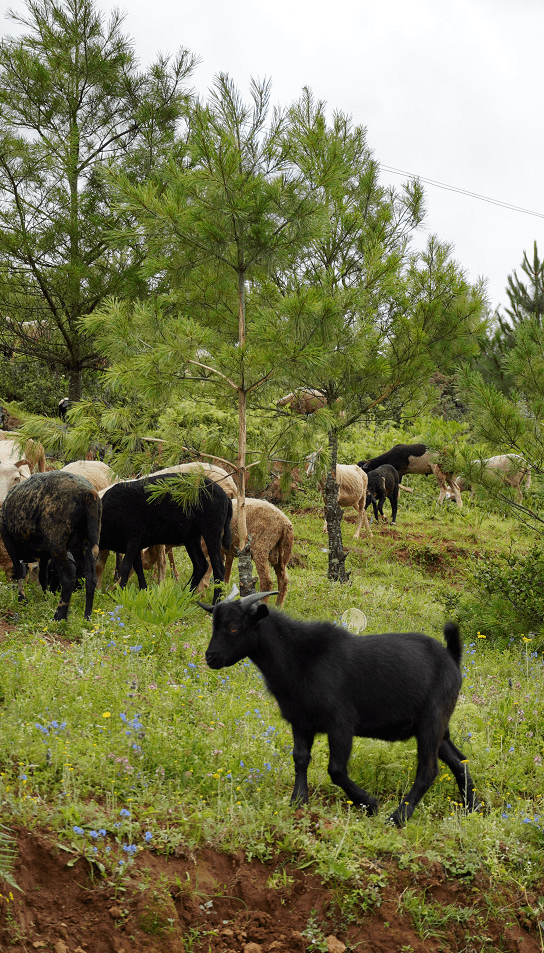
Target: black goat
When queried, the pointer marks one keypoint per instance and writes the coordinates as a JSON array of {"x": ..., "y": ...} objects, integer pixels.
[
  {"x": 132, "y": 521},
  {"x": 325, "y": 680},
  {"x": 49, "y": 517},
  {"x": 414, "y": 458},
  {"x": 383, "y": 483}
]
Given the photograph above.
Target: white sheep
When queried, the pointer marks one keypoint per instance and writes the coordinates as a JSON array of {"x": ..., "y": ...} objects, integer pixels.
[
  {"x": 14, "y": 448},
  {"x": 11, "y": 474},
  {"x": 99, "y": 474},
  {"x": 509, "y": 468},
  {"x": 352, "y": 490},
  {"x": 271, "y": 533}
]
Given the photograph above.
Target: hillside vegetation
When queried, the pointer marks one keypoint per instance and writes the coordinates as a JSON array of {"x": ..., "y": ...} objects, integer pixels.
[{"x": 121, "y": 750}]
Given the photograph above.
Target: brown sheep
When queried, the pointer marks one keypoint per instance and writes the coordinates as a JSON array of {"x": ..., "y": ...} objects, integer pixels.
[
  {"x": 271, "y": 542},
  {"x": 304, "y": 401}
]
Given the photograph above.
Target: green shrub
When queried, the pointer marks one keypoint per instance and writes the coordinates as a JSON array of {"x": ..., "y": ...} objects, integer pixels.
[{"x": 507, "y": 597}]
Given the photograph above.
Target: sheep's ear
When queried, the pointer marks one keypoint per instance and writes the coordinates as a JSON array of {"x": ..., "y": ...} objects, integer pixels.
[{"x": 204, "y": 606}]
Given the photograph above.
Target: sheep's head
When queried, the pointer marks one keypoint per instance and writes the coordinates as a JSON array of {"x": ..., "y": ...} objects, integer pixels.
[{"x": 234, "y": 625}]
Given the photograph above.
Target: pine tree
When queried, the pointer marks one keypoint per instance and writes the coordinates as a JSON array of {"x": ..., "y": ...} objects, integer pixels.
[{"x": 72, "y": 101}]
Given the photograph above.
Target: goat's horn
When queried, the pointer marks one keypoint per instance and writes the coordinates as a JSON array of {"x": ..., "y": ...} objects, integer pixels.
[
  {"x": 230, "y": 598},
  {"x": 232, "y": 594},
  {"x": 247, "y": 601}
]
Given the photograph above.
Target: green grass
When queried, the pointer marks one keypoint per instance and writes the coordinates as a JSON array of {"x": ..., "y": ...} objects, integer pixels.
[{"x": 117, "y": 736}]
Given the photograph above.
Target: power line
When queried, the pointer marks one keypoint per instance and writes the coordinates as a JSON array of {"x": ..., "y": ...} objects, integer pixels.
[{"x": 453, "y": 188}]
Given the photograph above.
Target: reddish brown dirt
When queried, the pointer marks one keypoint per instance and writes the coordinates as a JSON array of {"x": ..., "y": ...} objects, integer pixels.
[{"x": 208, "y": 901}]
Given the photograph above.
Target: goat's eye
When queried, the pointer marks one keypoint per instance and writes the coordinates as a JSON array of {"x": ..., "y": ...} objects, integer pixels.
[{"x": 233, "y": 629}]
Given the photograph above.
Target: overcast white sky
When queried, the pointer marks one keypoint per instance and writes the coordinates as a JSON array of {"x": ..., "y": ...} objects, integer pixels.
[{"x": 450, "y": 91}]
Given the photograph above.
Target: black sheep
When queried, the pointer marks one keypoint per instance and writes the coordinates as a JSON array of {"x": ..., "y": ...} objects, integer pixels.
[
  {"x": 327, "y": 681},
  {"x": 414, "y": 458},
  {"x": 383, "y": 483},
  {"x": 51, "y": 516},
  {"x": 132, "y": 521}
]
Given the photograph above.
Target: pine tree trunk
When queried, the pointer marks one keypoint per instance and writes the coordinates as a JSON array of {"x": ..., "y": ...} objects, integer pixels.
[
  {"x": 333, "y": 515},
  {"x": 245, "y": 567}
]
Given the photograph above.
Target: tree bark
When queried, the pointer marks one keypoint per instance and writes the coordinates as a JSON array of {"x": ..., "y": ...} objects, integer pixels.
[
  {"x": 333, "y": 515},
  {"x": 245, "y": 568}
]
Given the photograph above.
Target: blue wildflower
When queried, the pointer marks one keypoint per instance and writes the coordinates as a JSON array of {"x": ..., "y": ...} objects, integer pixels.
[
  {"x": 78, "y": 830},
  {"x": 124, "y": 813}
]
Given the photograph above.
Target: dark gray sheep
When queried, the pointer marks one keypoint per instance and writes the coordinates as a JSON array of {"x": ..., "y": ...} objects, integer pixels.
[{"x": 53, "y": 516}]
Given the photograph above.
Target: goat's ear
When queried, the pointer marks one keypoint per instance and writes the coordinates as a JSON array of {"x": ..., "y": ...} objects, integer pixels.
[
  {"x": 261, "y": 612},
  {"x": 204, "y": 606}
]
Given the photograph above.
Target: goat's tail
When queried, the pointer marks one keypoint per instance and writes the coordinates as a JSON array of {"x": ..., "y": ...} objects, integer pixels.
[
  {"x": 453, "y": 641},
  {"x": 94, "y": 519}
]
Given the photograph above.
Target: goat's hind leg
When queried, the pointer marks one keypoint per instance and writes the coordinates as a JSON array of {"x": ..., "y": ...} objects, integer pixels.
[
  {"x": 458, "y": 765},
  {"x": 302, "y": 752},
  {"x": 340, "y": 742},
  {"x": 427, "y": 770}
]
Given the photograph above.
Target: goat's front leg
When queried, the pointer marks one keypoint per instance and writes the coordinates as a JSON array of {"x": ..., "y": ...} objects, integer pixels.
[
  {"x": 302, "y": 753},
  {"x": 340, "y": 742}
]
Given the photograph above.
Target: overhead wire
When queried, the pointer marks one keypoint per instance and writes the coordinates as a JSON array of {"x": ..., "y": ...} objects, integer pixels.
[{"x": 454, "y": 188}]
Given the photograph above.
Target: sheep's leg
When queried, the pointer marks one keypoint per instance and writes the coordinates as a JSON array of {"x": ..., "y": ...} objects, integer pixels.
[
  {"x": 91, "y": 579},
  {"x": 132, "y": 558},
  {"x": 363, "y": 518},
  {"x": 427, "y": 770},
  {"x": 340, "y": 742},
  {"x": 101, "y": 565},
  {"x": 263, "y": 572},
  {"x": 161, "y": 564},
  {"x": 457, "y": 763},
  {"x": 218, "y": 566},
  {"x": 394, "y": 505},
  {"x": 66, "y": 569},
  {"x": 18, "y": 567},
  {"x": 302, "y": 753},
  {"x": 229, "y": 558},
  {"x": 170, "y": 554},
  {"x": 283, "y": 582},
  {"x": 199, "y": 561}
]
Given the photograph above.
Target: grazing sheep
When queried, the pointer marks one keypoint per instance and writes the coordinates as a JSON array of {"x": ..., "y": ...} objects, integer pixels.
[
  {"x": 131, "y": 521},
  {"x": 11, "y": 474},
  {"x": 156, "y": 555},
  {"x": 327, "y": 681},
  {"x": 99, "y": 474},
  {"x": 414, "y": 458},
  {"x": 508, "y": 468},
  {"x": 383, "y": 483},
  {"x": 271, "y": 542},
  {"x": 53, "y": 516},
  {"x": 304, "y": 400},
  {"x": 11, "y": 451},
  {"x": 209, "y": 470},
  {"x": 352, "y": 488}
]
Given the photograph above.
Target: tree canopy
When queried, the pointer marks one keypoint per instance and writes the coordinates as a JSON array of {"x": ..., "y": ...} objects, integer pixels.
[{"x": 72, "y": 101}]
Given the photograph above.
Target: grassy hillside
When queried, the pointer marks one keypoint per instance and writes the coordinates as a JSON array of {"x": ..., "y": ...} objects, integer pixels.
[{"x": 119, "y": 744}]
